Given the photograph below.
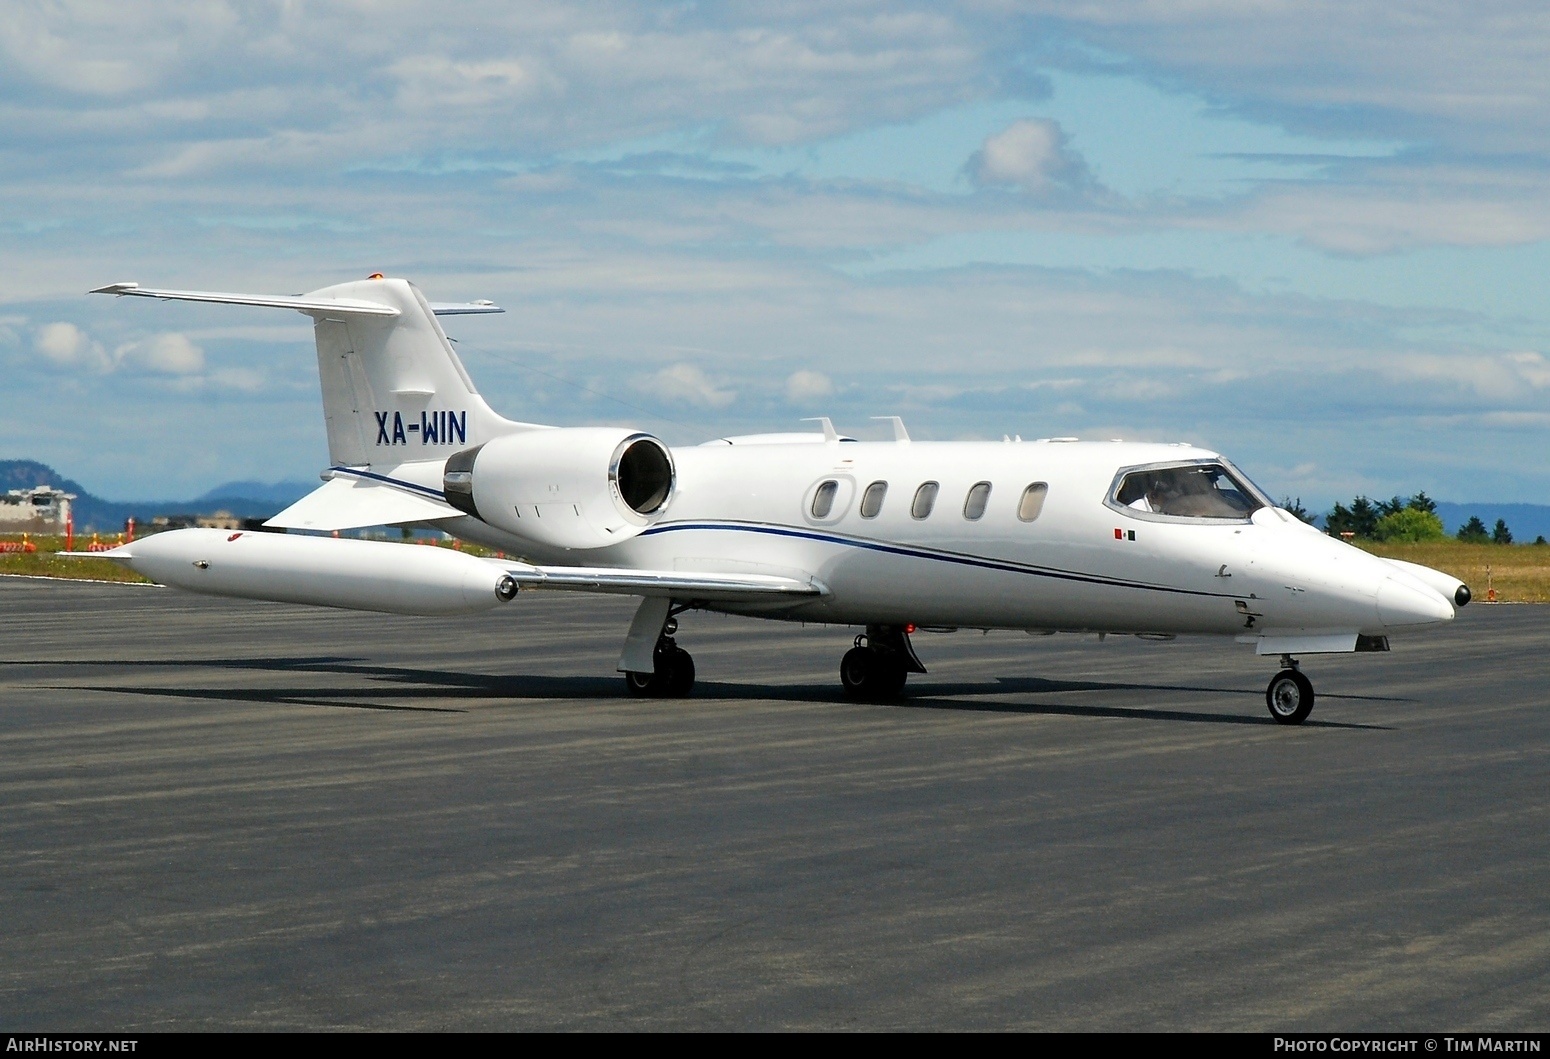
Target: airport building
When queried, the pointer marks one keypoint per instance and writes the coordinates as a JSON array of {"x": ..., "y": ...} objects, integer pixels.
[
  {"x": 218, "y": 520},
  {"x": 43, "y": 509}
]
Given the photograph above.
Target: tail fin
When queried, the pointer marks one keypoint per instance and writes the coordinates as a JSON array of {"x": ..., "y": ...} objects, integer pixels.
[{"x": 394, "y": 391}]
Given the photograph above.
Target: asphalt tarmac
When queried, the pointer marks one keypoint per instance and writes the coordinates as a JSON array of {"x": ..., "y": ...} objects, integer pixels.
[{"x": 220, "y": 815}]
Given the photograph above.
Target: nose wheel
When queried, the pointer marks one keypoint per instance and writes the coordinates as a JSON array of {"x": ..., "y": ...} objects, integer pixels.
[{"x": 1289, "y": 696}]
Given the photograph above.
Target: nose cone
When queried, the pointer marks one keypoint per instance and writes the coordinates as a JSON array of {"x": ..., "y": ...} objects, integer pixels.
[{"x": 1401, "y": 604}]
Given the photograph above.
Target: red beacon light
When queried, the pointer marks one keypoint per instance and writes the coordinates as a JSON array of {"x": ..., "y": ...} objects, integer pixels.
[{"x": 375, "y": 275}]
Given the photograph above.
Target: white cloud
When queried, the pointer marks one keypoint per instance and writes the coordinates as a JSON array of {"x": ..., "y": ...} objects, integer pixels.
[
  {"x": 1030, "y": 154},
  {"x": 1534, "y": 368},
  {"x": 1467, "y": 76},
  {"x": 1505, "y": 377},
  {"x": 433, "y": 82},
  {"x": 182, "y": 89},
  {"x": 1386, "y": 209},
  {"x": 170, "y": 353},
  {"x": 66, "y": 346},
  {"x": 806, "y": 385},
  {"x": 260, "y": 113},
  {"x": 1517, "y": 420},
  {"x": 243, "y": 380},
  {"x": 686, "y": 383}
]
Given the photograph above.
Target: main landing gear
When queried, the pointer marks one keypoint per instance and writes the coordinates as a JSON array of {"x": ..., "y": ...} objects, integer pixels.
[
  {"x": 875, "y": 669},
  {"x": 1290, "y": 694},
  {"x": 672, "y": 674}
]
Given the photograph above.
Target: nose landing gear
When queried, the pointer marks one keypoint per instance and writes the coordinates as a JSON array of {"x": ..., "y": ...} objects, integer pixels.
[
  {"x": 875, "y": 669},
  {"x": 1290, "y": 694}
]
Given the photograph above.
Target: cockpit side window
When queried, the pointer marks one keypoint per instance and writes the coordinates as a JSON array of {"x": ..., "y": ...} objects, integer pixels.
[{"x": 1194, "y": 490}]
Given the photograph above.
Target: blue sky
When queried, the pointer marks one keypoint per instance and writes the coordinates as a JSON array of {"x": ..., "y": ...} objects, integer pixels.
[{"x": 1311, "y": 235}]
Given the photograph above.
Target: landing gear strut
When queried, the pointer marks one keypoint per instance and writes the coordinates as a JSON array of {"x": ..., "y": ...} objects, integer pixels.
[
  {"x": 1290, "y": 694},
  {"x": 672, "y": 674},
  {"x": 874, "y": 670}
]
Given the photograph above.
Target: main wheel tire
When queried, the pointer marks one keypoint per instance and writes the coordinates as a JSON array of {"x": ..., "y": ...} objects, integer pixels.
[
  {"x": 680, "y": 679},
  {"x": 871, "y": 676},
  {"x": 856, "y": 673},
  {"x": 1290, "y": 697},
  {"x": 672, "y": 677},
  {"x": 891, "y": 678}
]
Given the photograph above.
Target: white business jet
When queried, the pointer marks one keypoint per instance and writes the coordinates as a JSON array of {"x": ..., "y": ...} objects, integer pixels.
[{"x": 1053, "y": 535}]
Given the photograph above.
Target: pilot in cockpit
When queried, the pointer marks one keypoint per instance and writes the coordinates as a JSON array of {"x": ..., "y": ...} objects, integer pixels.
[{"x": 1152, "y": 499}]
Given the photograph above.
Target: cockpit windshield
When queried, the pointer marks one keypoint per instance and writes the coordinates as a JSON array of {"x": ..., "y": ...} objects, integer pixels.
[{"x": 1191, "y": 490}]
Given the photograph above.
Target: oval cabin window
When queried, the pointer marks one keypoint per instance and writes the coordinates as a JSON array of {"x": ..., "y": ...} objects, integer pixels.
[
  {"x": 823, "y": 499},
  {"x": 872, "y": 499},
  {"x": 974, "y": 505},
  {"x": 1033, "y": 501},
  {"x": 925, "y": 500}
]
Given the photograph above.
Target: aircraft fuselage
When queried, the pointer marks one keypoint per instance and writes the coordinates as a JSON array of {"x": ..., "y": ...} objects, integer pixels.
[{"x": 1080, "y": 564}]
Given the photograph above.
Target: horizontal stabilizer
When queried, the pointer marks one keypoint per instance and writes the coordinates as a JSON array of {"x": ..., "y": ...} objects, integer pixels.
[
  {"x": 304, "y": 303},
  {"x": 478, "y": 308},
  {"x": 675, "y": 583},
  {"x": 300, "y": 303},
  {"x": 350, "y": 503}
]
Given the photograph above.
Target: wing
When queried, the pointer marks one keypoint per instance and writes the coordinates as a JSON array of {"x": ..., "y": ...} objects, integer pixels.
[
  {"x": 354, "y": 498},
  {"x": 351, "y": 500}
]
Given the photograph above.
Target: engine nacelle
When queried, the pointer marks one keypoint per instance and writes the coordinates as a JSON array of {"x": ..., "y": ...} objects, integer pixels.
[{"x": 571, "y": 487}]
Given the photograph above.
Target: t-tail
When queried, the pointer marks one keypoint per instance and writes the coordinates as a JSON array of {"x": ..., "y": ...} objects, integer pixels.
[{"x": 397, "y": 400}]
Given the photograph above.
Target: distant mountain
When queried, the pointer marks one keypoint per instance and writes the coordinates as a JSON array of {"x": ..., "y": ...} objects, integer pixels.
[
  {"x": 282, "y": 493},
  {"x": 243, "y": 499},
  {"x": 28, "y": 474}
]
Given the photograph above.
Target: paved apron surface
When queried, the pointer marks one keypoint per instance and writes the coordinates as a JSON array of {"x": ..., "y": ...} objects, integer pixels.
[{"x": 220, "y": 814}]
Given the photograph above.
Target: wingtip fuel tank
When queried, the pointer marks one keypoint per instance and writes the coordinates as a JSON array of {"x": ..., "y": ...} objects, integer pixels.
[{"x": 320, "y": 571}]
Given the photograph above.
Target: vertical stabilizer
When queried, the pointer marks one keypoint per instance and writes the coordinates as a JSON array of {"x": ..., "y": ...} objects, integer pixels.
[{"x": 394, "y": 390}]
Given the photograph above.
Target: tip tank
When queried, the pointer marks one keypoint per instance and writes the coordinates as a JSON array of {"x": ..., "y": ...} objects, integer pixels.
[{"x": 320, "y": 571}]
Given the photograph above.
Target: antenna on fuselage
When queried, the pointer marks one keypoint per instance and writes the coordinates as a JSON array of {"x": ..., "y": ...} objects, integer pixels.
[{"x": 899, "y": 433}]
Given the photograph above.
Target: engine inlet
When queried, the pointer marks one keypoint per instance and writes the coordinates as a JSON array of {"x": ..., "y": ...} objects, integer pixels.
[{"x": 643, "y": 473}]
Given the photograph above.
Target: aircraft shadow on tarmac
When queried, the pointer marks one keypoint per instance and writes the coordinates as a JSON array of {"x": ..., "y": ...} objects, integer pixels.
[{"x": 469, "y": 689}]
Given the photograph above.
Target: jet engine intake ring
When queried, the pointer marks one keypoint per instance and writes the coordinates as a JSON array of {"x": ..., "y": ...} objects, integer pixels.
[{"x": 642, "y": 472}]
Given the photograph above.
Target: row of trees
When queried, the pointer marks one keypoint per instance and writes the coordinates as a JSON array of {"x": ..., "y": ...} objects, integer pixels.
[{"x": 1399, "y": 519}]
